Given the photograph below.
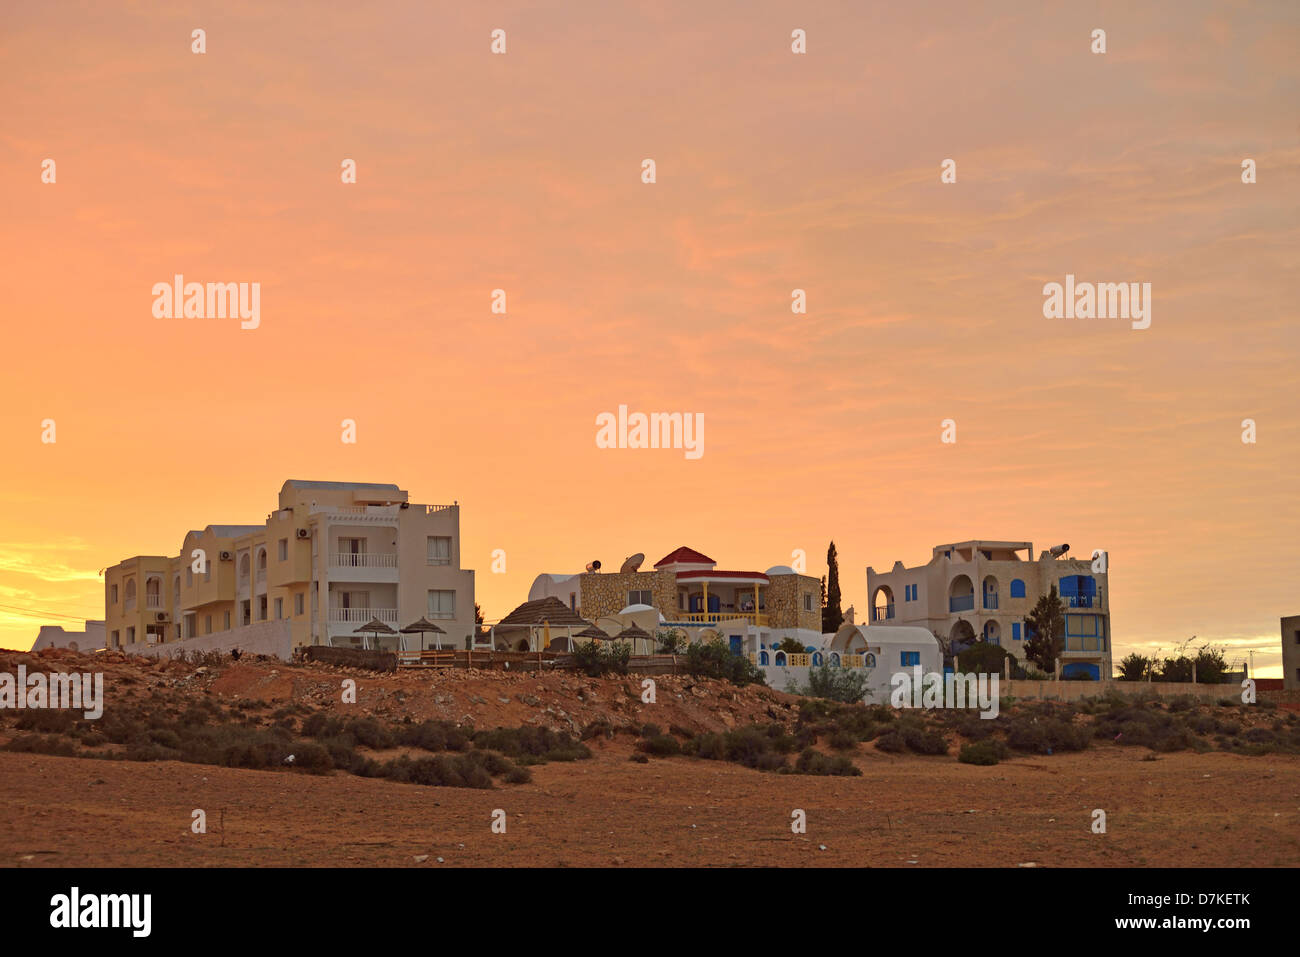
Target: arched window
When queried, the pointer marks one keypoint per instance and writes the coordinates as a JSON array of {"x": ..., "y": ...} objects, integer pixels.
[
  {"x": 130, "y": 588},
  {"x": 1017, "y": 588}
]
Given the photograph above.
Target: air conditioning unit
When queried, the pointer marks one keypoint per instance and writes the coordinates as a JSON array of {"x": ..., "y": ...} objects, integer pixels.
[
  {"x": 160, "y": 616},
  {"x": 227, "y": 556},
  {"x": 304, "y": 533}
]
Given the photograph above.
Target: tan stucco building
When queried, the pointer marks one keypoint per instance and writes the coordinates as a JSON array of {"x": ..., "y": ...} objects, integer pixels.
[
  {"x": 332, "y": 556},
  {"x": 984, "y": 589},
  {"x": 1291, "y": 652},
  {"x": 685, "y": 590}
]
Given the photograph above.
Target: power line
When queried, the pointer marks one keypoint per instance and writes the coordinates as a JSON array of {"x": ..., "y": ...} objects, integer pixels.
[{"x": 42, "y": 614}]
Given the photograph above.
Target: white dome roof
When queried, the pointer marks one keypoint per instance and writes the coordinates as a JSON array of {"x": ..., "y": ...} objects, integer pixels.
[
  {"x": 779, "y": 570},
  {"x": 631, "y": 608}
]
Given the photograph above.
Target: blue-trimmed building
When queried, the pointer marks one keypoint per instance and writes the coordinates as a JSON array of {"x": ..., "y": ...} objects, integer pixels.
[{"x": 982, "y": 591}]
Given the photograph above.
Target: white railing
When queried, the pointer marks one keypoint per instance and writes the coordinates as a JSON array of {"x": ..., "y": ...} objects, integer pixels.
[
  {"x": 364, "y": 559},
  {"x": 430, "y": 509},
  {"x": 362, "y": 615}
]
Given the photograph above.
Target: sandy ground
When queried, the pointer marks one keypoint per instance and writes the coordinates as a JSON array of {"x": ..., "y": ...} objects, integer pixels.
[
  {"x": 1177, "y": 809},
  {"x": 1183, "y": 809}
]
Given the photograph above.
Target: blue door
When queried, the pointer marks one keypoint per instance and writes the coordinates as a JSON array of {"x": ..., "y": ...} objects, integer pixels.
[{"x": 735, "y": 644}]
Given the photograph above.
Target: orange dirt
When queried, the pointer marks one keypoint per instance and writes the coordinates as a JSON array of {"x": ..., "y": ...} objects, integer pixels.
[{"x": 1182, "y": 809}]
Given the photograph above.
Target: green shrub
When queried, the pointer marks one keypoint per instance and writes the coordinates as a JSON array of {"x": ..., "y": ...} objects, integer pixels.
[
  {"x": 713, "y": 659},
  {"x": 988, "y": 751},
  {"x": 814, "y": 762},
  {"x": 661, "y": 745}
]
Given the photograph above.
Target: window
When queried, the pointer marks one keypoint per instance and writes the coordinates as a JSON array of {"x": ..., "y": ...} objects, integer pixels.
[
  {"x": 807, "y": 601},
  {"x": 117, "y": 639},
  {"x": 207, "y": 624},
  {"x": 439, "y": 550},
  {"x": 1017, "y": 588},
  {"x": 130, "y": 635},
  {"x": 284, "y": 549},
  {"x": 442, "y": 603},
  {"x": 279, "y": 608},
  {"x": 298, "y": 602},
  {"x": 1015, "y": 631},
  {"x": 909, "y": 658},
  {"x": 643, "y": 597},
  {"x": 225, "y": 621},
  {"x": 909, "y": 593},
  {"x": 112, "y": 592},
  {"x": 261, "y": 608}
]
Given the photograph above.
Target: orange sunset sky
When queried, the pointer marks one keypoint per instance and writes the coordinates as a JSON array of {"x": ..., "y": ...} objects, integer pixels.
[{"x": 775, "y": 171}]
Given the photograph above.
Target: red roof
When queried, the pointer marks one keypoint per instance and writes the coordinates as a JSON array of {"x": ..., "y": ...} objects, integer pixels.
[
  {"x": 686, "y": 555},
  {"x": 715, "y": 573}
]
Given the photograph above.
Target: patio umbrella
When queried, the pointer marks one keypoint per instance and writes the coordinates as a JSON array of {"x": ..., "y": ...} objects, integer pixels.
[
  {"x": 422, "y": 625},
  {"x": 633, "y": 634},
  {"x": 377, "y": 626}
]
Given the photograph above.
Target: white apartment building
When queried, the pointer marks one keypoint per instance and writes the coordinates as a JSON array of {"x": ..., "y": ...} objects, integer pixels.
[
  {"x": 984, "y": 589},
  {"x": 330, "y": 558}
]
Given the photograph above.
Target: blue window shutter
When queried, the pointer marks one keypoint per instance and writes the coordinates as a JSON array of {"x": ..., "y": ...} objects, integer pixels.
[
  {"x": 1017, "y": 588},
  {"x": 1015, "y": 631}
]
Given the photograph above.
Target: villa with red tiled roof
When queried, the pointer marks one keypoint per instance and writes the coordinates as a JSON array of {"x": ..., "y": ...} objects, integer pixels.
[{"x": 686, "y": 591}]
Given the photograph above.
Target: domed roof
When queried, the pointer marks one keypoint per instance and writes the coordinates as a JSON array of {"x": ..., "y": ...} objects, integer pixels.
[{"x": 780, "y": 570}]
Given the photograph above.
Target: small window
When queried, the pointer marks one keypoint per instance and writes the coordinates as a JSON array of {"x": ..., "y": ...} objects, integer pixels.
[
  {"x": 641, "y": 597},
  {"x": 284, "y": 549},
  {"x": 130, "y": 635},
  {"x": 807, "y": 601},
  {"x": 298, "y": 602},
  {"x": 207, "y": 624},
  {"x": 439, "y": 550},
  {"x": 279, "y": 608},
  {"x": 442, "y": 604},
  {"x": 1017, "y": 588},
  {"x": 225, "y": 621},
  {"x": 1015, "y": 631},
  {"x": 909, "y": 658},
  {"x": 112, "y": 591},
  {"x": 117, "y": 639}
]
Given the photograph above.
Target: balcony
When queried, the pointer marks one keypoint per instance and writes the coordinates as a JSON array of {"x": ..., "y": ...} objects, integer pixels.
[
  {"x": 991, "y": 601},
  {"x": 883, "y": 613},
  {"x": 363, "y": 560},
  {"x": 153, "y": 602},
  {"x": 961, "y": 602},
  {"x": 360, "y": 616},
  {"x": 710, "y": 617},
  {"x": 1081, "y": 601}
]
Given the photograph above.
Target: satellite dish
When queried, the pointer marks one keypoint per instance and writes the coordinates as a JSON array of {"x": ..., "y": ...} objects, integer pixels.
[{"x": 632, "y": 563}]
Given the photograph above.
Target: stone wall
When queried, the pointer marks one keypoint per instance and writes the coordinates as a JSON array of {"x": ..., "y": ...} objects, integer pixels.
[
  {"x": 259, "y": 638},
  {"x": 606, "y": 594},
  {"x": 783, "y": 599}
]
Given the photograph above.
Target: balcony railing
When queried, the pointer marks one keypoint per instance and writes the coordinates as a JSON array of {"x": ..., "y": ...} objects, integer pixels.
[
  {"x": 1081, "y": 601},
  {"x": 153, "y": 601},
  {"x": 991, "y": 600},
  {"x": 707, "y": 617},
  {"x": 961, "y": 602},
  {"x": 364, "y": 559},
  {"x": 362, "y": 615},
  {"x": 883, "y": 613}
]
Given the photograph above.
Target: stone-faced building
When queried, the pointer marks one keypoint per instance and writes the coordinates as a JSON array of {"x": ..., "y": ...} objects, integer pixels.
[{"x": 751, "y": 610}]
